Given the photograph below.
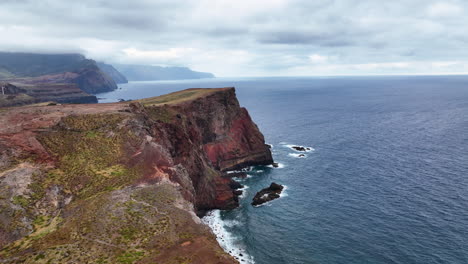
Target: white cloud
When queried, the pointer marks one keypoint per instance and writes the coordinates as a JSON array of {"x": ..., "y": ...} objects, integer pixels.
[
  {"x": 316, "y": 58},
  {"x": 380, "y": 66},
  {"x": 443, "y": 9},
  {"x": 157, "y": 55}
]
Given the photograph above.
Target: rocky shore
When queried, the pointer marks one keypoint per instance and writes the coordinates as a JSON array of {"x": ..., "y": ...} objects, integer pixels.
[{"x": 122, "y": 182}]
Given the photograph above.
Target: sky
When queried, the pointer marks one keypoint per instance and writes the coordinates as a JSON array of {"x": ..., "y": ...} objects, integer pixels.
[{"x": 249, "y": 37}]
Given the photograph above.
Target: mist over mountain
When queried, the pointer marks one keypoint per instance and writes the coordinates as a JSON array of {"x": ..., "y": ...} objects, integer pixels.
[
  {"x": 112, "y": 72},
  {"x": 33, "y": 68},
  {"x": 150, "y": 73},
  {"x": 14, "y": 64}
]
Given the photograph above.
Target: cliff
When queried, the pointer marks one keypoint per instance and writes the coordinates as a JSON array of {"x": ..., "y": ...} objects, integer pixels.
[
  {"x": 42, "y": 69},
  {"x": 112, "y": 72},
  {"x": 121, "y": 182},
  {"x": 151, "y": 73},
  {"x": 23, "y": 94}
]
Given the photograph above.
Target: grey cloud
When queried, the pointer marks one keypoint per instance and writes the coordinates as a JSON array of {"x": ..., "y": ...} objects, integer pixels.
[
  {"x": 290, "y": 37},
  {"x": 262, "y": 36}
]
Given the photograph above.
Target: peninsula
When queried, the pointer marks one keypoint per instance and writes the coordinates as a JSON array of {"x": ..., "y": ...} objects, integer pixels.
[{"x": 122, "y": 182}]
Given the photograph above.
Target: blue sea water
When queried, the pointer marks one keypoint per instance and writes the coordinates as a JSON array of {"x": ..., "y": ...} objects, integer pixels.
[{"x": 386, "y": 183}]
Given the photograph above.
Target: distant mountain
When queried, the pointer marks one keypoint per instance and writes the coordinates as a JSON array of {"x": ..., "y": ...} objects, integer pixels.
[
  {"x": 112, "y": 72},
  {"x": 30, "y": 68},
  {"x": 23, "y": 94},
  {"x": 33, "y": 65},
  {"x": 150, "y": 73}
]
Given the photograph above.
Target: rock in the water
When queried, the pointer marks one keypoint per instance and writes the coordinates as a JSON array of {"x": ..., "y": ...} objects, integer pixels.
[
  {"x": 268, "y": 194},
  {"x": 275, "y": 164},
  {"x": 299, "y": 148}
]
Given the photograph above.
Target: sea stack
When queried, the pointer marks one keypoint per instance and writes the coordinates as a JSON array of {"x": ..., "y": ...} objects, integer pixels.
[{"x": 268, "y": 194}]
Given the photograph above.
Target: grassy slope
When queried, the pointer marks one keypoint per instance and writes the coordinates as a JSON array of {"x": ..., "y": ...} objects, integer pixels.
[{"x": 179, "y": 97}]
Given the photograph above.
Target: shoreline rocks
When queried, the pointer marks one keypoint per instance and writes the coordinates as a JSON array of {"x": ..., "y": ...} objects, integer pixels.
[
  {"x": 268, "y": 194},
  {"x": 240, "y": 175},
  {"x": 301, "y": 148}
]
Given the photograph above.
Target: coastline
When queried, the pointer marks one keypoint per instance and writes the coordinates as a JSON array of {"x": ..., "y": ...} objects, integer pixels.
[
  {"x": 137, "y": 170},
  {"x": 230, "y": 243}
]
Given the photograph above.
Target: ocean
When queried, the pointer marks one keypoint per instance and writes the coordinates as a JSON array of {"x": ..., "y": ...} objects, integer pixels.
[{"x": 386, "y": 181}]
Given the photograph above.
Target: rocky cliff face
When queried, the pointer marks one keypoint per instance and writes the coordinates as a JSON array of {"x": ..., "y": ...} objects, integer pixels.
[
  {"x": 112, "y": 72},
  {"x": 88, "y": 77},
  {"x": 32, "y": 69},
  {"x": 121, "y": 183},
  {"x": 23, "y": 94}
]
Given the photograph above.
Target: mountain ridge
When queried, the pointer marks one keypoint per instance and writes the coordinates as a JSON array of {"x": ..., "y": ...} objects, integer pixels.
[{"x": 135, "y": 72}]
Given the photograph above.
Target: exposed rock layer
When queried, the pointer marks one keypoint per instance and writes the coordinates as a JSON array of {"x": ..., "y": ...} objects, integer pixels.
[
  {"x": 120, "y": 183},
  {"x": 23, "y": 94}
]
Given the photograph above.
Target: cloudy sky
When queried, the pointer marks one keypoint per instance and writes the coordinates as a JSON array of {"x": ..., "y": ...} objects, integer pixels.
[{"x": 249, "y": 37}]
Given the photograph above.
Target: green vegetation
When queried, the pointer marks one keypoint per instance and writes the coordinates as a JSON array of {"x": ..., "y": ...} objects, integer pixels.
[
  {"x": 90, "y": 150},
  {"x": 40, "y": 220},
  {"x": 90, "y": 123},
  {"x": 162, "y": 114},
  {"x": 21, "y": 201},
  {"x": 177, "y": 97},
  {"x": 130, "y": 257}
]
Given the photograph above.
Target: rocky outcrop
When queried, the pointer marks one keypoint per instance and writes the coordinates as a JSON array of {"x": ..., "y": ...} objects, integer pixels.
[
  {"x": 230, "y": 137},
  {"x": 122, "y": 182},
  {"x": 88, "y": 78},
  {"x": 22, "y": 94},
  {"x": 268, "y": 194},
  {"x": 301, "y": 148}
]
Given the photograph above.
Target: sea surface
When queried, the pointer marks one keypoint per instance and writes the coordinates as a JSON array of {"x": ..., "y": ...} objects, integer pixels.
[{"x": 387, "y": 181}]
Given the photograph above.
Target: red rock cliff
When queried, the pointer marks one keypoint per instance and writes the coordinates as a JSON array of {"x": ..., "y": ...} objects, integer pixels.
[{"x": 122, "y": 180}]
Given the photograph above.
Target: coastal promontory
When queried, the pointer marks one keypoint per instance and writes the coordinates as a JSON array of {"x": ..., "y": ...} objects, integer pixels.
[{"x": 122, "y": 182}]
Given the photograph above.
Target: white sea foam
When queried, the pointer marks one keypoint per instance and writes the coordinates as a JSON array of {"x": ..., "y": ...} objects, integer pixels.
[
  {"x": 244, "y": 191},
  {"x": 283, "y": 192},
  {"x": 280, "y": 166},
  {"x": 297, "y": 155},
  {"x": 308, "y": 149},
  {"x": 230, "y": 243},
  {"x": 246, "y": 169}
]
